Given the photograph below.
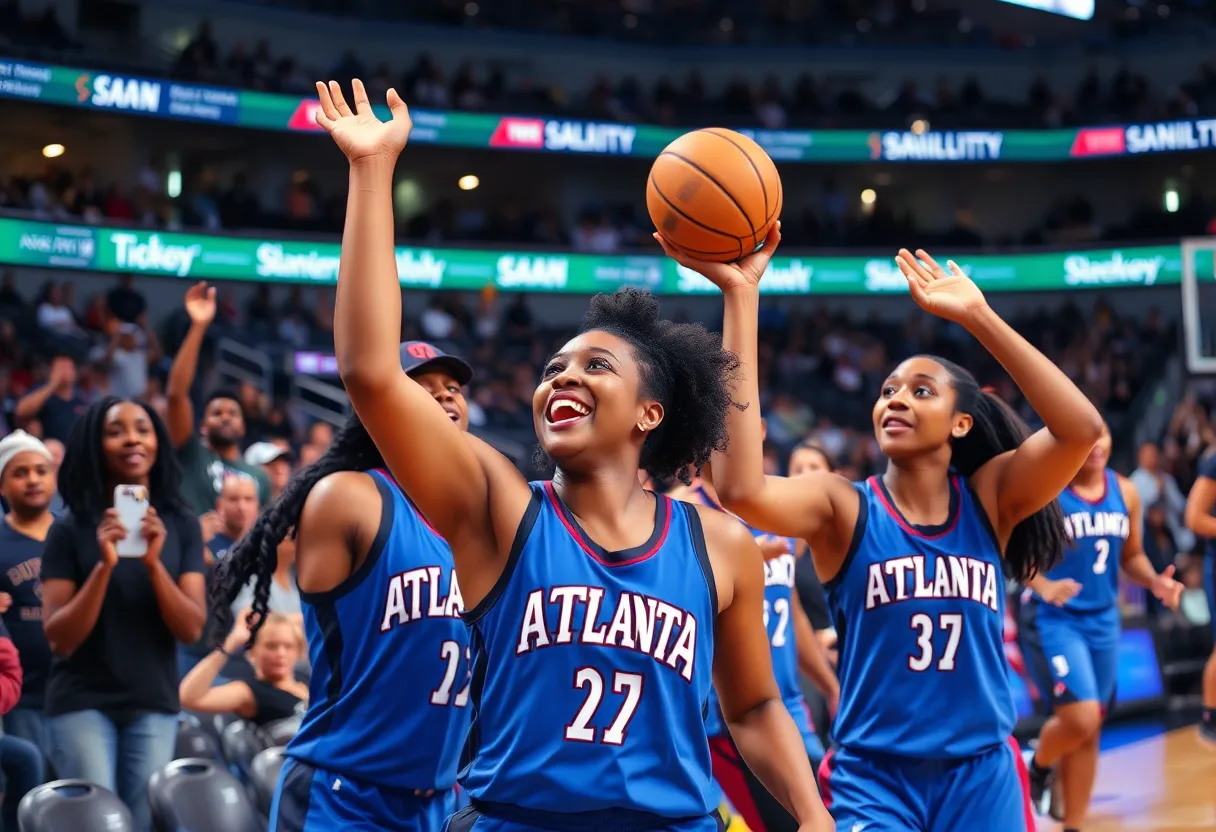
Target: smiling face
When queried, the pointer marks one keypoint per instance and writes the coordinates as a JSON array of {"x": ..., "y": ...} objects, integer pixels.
[
  {"x": 589, "y": 403},
  {"x": 916, "y": 410},
  {"x": 448, "y": 392},
  {"x": 128, "y": 443},
  {"x": 28, "y": 482}
]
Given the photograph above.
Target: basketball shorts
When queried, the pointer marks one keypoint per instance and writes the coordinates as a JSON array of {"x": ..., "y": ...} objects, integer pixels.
[
  {"x": 868, "y": 792},
  {"x": 497, "y": 817},
  {"x": 309, "y": 799},
  {"x": 747, "y": 796},
  {"x": 1072, "y": 656}
]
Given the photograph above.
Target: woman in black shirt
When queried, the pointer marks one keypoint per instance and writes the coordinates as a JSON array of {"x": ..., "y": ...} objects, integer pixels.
[
  {"x": 272, "y": 694},
  {"x": 114, "y": 623}
]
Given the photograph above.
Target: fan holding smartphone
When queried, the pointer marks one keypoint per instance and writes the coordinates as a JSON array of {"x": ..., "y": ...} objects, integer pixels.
[
  {"x": 122, "y": 585},
  {"x": 131, "y": 509}
]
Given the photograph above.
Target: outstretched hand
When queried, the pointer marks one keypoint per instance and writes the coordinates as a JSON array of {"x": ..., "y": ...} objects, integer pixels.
[
  {"x": 1167, "y": 590},
  {"x": 947, "y": 294},
  {"x": 359, "y": 134},
  {"x": 744, "y": 272}
]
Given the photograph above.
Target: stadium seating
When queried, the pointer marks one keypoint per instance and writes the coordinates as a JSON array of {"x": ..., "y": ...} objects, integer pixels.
[
  {"x": 75, "y": 805},
  {"x": 200, "y": 796},
  {"x": 242, "y": 742},
  {"x": 264, "y": 774}
]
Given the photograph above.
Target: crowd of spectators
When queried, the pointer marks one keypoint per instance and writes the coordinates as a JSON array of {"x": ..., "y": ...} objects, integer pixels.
[
  {"x": 826, "y": 217},
  {"x": 768, "y": 101}
]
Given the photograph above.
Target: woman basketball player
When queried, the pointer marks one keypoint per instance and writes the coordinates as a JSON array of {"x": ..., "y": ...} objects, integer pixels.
[
  {"x": 912, "y": 560},
  {"x": 595, "y": 607},
  {"x": 794, "y": 647},
  {"x": 1201, "y": 519},
  {"x": 388, "y": 701},
  {"x": 1070, "y": 626}
]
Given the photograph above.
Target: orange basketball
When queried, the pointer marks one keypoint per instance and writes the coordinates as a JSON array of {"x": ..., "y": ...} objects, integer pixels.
[{"x": 714, "y": 193}]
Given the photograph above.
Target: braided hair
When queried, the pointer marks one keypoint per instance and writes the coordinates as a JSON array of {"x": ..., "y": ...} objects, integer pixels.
[
  {"x": 255, "y": 556},
  {"x": 1038, "y": 542}
]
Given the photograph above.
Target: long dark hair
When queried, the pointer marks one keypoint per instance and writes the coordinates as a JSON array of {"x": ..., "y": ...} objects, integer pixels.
[
  {"x": 255, "y": 556},
  {"x": 83, "y": 481},
  {"x": 1038, "y": 542}
]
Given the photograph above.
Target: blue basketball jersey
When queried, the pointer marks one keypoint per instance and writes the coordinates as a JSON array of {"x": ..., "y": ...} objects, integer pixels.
[
  {"x": 920, "y": 613},
  {"x": 388, "y": 700},
  {"x": 1207, "y": 469},
  {"x": 592, "y": 670},
  {"x": 779, "y": 619},
  {"x": 1098, "y": 530}
]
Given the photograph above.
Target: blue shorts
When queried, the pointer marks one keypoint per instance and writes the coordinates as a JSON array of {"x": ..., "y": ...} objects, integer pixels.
[
  {"x": 311, "y": 800},
  {"x": 496, "y": 817},
  {"x": 1072, "y": 656},
  {"x": 881, "y": 793}
]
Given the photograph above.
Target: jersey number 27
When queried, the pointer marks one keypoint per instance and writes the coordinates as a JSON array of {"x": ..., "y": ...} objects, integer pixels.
[{"x": 592, "y": 681}]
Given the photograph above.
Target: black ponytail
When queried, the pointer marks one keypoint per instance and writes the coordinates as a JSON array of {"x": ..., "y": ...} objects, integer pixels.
[
  {"x": 1038, "y": 542},
  {"x": 256, "y": 555}
]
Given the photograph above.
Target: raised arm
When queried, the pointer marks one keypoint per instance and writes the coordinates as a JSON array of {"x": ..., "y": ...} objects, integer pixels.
[
  {"x": 805, "y": 507},
  {"x": 1202, "y": 499},
  {"x": 200, "y": 306},
  {"x": 758, "y": 720},
  {"x": 1026, "y": 479},
  {"x": 426, "y": 452}
]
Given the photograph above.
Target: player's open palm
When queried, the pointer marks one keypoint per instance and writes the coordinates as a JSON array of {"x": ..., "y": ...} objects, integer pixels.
[
  {"x": 947, "y": 294},
  {"x": 360, "y": 135},
  {"x": 743, "y": 272}
]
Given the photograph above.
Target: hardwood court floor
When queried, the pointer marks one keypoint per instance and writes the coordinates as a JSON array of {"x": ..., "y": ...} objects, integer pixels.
[{"x": 1166, "y": 783}]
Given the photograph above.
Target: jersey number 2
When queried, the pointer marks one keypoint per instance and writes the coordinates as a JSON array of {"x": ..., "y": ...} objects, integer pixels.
[
  {"x": 952, "y": 624},
  {"x": 1102, "y": 547},
  {"x": 449, "y": 652},
  {"x": 590, "y": 679}
]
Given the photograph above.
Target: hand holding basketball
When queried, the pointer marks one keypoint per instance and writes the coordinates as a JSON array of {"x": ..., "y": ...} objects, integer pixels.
[
  {"x": 360, "y": 135},
  {"x": 950, "y": 295},
  {"x": 726, "y": 276}
]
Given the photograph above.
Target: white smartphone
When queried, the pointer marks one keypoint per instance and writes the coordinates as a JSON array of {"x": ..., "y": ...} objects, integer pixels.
[{"x": 131, "y": 501}]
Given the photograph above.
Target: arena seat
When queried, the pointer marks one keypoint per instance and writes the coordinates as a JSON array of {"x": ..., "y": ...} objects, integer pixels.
[
  {"x": 200, "y": 796},
  {"x": 242, "y": 742},
  {"x": 195, "y": 741},
  {"x": 77, "y": 805},
  {"x": 264, "y": 775},
  {"x": 280, "y": 732}
]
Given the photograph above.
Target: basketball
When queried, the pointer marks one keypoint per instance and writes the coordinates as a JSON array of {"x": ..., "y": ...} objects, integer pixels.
[{"x": 714, "y": 194}]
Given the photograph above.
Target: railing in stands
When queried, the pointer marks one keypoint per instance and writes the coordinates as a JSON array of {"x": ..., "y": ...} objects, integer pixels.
[
  {"x": 319, "y": 399},
  {"x": 235, "y": 363}
]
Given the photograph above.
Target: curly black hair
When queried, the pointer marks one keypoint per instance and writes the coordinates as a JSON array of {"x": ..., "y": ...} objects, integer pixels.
[
  {"x": 255, "y": 556},
  {"x": 684, "y": 368},
  {"x": 1037, "y": 543},
  {"x": 83, "y": 481}
]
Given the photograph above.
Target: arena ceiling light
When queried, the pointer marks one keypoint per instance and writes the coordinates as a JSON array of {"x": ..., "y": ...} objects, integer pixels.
[
  {"x": 467, "y": 182},
  {"x": 53, "y": 151}
]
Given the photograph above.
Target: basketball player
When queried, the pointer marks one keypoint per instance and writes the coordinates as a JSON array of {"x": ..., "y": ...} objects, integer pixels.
[
  {"x": 794, "y": 647},
  {"x": 388, "y": 699},
  {"x": 912, "y": 560},
  {"x": 595, "y": 607},
  {"x": 1201, "y": 519},
  {"x": 1070, "y": 625}
]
